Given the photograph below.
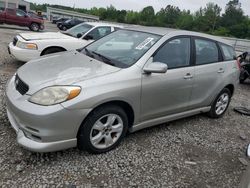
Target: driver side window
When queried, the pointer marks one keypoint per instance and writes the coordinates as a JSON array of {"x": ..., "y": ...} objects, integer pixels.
[
  {"x": 100, "y": 32},
  {"x": 175, "y": 53}
]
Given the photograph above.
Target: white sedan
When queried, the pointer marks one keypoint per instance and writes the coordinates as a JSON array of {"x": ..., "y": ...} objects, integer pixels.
[{"x": 28, "y": 46}]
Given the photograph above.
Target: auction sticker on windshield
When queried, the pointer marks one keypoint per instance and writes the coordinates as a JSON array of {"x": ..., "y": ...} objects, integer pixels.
[{"x": 144, "y": 43}]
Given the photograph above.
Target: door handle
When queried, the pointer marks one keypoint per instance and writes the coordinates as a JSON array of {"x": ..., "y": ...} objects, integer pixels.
[
  {"x": 188, "y": 76},
  {"x": 221, "y": 70}
]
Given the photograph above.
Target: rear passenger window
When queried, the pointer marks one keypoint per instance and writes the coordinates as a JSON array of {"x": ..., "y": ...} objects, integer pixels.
[
  {"x": 206, "y": 52},
  {"x": 175, "y": 53},
  {"x": 228, "y": 52}
]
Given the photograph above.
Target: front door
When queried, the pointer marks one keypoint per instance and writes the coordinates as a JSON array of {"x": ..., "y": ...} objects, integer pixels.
[{"x": 169, "y": 93}]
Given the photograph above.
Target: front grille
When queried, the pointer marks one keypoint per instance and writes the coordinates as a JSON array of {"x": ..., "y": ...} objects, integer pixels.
[
  {"x": 15, "y": 41},
  {"x": 21, "y": 87}
]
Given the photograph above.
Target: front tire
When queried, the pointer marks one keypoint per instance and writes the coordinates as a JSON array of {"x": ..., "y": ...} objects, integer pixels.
[
  {"x": 220, "y": 104},
  {"x": 34, "y": 27},
  {"x": 103, "y": 129}
]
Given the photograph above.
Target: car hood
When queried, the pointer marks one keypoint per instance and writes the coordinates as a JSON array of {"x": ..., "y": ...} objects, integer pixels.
[
  {"x": 65, "y": 68},
  {"x": 44, "y": 36}
]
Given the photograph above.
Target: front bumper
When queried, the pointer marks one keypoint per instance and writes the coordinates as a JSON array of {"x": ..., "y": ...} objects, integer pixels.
[
  {"x": 42, "y": 128},
  {"x": 35, "y": 146},
  {"x": 23, "y": 54}
]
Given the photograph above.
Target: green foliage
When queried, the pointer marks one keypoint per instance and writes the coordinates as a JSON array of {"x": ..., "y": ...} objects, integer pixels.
[
  {"x": 208, "y": 19},
  {"x": 167, "y": 17},
  {"x": 147, "y": 16}
]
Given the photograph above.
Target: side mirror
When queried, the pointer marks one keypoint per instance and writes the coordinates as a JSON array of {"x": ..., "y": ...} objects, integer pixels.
[
  {"x": 26, "y": 16},
  {"x": 155, "y": 67},
  {"x": 79, "y": 35},
  {"x": 88, "y": 37}
]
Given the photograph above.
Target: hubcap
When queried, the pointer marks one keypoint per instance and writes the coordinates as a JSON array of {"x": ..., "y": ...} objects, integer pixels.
[
  {"x": 35, "y": 27},
  {"x": 222, "y": 104},
  {"x": 106, "y": 131}
]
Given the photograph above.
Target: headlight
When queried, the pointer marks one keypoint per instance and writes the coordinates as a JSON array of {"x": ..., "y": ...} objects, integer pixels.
[
  {"x": 23, "y": 45},
  {"x": 55, "y": 95}
]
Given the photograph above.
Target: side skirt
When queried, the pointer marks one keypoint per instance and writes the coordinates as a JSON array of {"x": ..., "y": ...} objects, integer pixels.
[{"x": 168, "y": 118}]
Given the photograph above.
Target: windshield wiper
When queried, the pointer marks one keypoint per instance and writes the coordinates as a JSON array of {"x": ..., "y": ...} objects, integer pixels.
[
  {"x": 88, "y": 53},
  {"x": 104, "y": 58}
]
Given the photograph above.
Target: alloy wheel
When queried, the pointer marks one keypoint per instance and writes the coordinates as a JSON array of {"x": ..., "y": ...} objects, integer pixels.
[
  {"x": 222, "y": 103},
  {"x": 106, "y": 131}
]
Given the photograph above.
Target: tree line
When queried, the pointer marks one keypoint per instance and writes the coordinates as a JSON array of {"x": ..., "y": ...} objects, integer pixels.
[{"x": 209, "y": 19}]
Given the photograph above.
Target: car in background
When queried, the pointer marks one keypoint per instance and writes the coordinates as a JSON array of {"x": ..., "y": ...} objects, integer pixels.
[
  {"x": 129, "y": 80},
  {"x": 69, "y": 24},
  {"x": 34, "y": 15},
  {"x": 20, "y": 18},
  {"x": 28, "y": 46},
  {"x": 55, "y": 21}
]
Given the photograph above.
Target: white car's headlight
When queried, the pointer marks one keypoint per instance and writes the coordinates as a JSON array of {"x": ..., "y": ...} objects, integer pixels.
[
  {"x": 55, "y": 95},
  {"x": 24, "y": 45}
]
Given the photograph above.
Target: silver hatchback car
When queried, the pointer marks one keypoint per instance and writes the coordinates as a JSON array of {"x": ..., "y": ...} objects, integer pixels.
[{"x": 129, "y": 80}]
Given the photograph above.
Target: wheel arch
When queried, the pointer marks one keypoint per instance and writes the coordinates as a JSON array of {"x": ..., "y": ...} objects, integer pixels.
[
  {"x": 49, "y": 47},
  {"x": 231, "y": 88},
  {"x": 124, "y": 105},
  {"x": 228, "y": 86}
]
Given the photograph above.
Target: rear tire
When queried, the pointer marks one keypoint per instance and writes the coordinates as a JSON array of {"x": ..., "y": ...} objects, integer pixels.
[
  {"x": 220, "y": 104},
  {"x": 52, "y": 50},
  {"x": 103, "y": 129},
  {"x": 34, "y": 27}
]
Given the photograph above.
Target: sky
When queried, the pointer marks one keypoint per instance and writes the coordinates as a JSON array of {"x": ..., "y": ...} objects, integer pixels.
[{"x": 138, "y": 5}]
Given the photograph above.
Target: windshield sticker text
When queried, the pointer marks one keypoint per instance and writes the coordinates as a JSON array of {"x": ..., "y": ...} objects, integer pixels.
[{"x": 144, "y": 43}]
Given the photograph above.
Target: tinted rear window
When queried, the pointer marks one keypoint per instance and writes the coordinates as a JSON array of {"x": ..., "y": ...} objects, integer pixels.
[
  {"x": 206, "y": 51},
  {"x": 228, "y": 52}
]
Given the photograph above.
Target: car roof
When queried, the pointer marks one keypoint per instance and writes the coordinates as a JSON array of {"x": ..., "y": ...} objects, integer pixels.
[
  {"x": 103, "y": 24},
  {"x": 162, "y": 31}
]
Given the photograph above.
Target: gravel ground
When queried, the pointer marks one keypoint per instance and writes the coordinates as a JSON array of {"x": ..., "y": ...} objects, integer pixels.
[{"x": 192, "y": 152}]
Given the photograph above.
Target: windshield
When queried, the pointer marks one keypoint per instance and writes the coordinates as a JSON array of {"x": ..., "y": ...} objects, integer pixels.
[
  {"x": 121, "y": 48},
  {"x": 79, "y": 29}
]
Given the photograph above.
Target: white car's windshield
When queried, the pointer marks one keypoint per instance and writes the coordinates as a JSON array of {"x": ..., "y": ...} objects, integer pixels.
[
  {"x": 79, "y": 30},
  {"x": 121, "y": 48}
]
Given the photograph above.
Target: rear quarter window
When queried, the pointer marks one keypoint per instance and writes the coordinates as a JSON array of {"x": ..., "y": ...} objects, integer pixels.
[{"x": 227, "y": 52}]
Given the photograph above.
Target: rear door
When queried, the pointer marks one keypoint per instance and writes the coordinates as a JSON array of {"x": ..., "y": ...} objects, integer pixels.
[{"x": 209, "y": 72}]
